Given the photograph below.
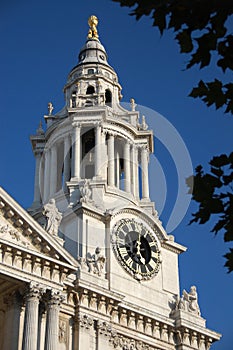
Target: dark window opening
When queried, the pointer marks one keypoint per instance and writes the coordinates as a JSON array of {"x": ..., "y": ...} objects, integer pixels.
[
  {"x": 90, "y": 90},
  {"x": 108, "y": 97},
  {"x": 73, "y": 100},
  {"x": 88, "y": 142},
  {"x": 90, "y": 71}
]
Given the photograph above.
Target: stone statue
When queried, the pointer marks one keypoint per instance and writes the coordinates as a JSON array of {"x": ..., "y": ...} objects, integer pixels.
[
  {"x": 133, "y": 104},
  {"x": 189, "y": 301},
  {"x": 50, "y": 108},
  {"x": 53, "y": 216},
  {"x": 96, "y": 262},
  {"x": 144, "y": 126},
  {"x": 92, "y": 33},
  {"x": 85, "y": 192}
]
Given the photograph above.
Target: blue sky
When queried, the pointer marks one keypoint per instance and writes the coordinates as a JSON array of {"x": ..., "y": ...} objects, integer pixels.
[{"x": 40, "y": 42}]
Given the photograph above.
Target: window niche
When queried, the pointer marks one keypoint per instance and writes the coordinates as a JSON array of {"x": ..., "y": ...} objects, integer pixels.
[
  {"x": 90, "y": 90},
  {"x": 88, "y": 150},
  {"x": 108, "y": 97}
]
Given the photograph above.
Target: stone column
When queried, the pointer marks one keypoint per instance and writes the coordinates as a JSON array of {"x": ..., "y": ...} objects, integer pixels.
[
  {"x": 76, "y": 141},
  {"x": 37, "y": 190},
  {"x": 127, "y": 167},
  {"x": 145, "y": 179},
  {"x": 111, "y": 161},
  {"x": 47, "y": 176},
  {"x": 53, "y": 170},
  {"x": 132, "y": 172},
  {"x": 12, "y": 321},
  {"x": 117, "y": 165},
  {"x": 135, "y": 166},
  {"x": 97, "y": 150},
  {"x": 66, "y": 174},
  {"x": 30, "y": 334},
  {"x": 52, "y": 321}
]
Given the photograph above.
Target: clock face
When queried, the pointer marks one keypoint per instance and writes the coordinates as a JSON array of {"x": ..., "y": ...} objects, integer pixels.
[{"x": 136, "y": 248}]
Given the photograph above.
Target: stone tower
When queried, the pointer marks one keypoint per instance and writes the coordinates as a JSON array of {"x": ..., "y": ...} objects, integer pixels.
[{"x": 119, "y": 282}]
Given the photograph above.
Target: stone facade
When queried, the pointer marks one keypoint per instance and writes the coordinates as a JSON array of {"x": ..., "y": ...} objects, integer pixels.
[{"x": 89, "y": 266}]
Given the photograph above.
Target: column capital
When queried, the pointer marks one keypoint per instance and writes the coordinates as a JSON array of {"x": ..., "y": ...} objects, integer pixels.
[
  {"x": 97, "y": 123},
  {"x": 33, "y": 291},
  {"x": 76, "y": 125},
  {"x": 55, "y": 298},
  {"x": 38, "y": 152},
  {"x": 144, "y": 148}
]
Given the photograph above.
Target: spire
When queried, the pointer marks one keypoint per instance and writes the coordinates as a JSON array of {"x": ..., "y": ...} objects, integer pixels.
[{"x": 93, "y": 33}]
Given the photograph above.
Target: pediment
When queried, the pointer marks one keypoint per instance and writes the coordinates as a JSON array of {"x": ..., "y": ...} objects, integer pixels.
[
  {"x": 20, "y": 231},
  {"x": 13, "y": 236}
]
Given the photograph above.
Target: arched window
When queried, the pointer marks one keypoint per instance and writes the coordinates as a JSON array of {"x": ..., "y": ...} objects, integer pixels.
[
  {"x": 108, "y": 97},
  {"x": 90, "y": 90}
]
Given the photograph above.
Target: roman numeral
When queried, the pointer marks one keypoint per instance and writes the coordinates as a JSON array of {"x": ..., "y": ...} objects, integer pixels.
[
  {"x": 155, "y": 254},
  {"x": 123, "y": 251}
]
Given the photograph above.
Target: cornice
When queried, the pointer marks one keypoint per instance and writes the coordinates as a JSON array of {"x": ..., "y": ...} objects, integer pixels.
[{"x": 24, "y": 223}]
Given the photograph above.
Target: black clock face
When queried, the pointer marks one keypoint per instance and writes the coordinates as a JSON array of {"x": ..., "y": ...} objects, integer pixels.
[{"x": 136, "y": 248}]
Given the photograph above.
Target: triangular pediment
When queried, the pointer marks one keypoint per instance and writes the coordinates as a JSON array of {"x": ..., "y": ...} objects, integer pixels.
[{"x": 20, "y": 231}]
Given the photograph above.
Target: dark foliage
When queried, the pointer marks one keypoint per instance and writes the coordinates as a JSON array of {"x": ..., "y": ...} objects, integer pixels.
[
  {"x": 213, "y": 192},
  {"x": 201, "y": 30}
]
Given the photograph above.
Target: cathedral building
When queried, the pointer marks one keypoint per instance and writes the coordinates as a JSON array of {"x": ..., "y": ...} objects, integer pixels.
[{"x": 89, "y": 265}]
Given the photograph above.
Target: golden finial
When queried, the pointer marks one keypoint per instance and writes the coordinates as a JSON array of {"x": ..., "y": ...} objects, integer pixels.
[{"x": 92, "y": 33}]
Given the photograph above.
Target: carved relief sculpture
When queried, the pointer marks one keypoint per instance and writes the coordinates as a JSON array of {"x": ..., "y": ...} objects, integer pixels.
[
  {"x": 96, "y": 262},
  {"x": 189, "y": 301}
]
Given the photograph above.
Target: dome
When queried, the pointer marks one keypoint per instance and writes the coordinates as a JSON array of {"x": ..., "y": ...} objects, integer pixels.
[{"x": 92, "y": 52}]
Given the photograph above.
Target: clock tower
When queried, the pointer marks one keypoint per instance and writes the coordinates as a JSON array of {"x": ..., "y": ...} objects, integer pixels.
[{"x": 91, "y": 184}]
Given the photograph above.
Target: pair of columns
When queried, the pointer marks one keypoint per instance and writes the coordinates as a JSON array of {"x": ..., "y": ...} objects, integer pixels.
[
  {"x": 76, "y": 150},
  {"x": 31, "y": 320},
  {"x": 130, "y": 156},
  {"x": 30, "y": 334},
  {"x": 46, "y": 176}
]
